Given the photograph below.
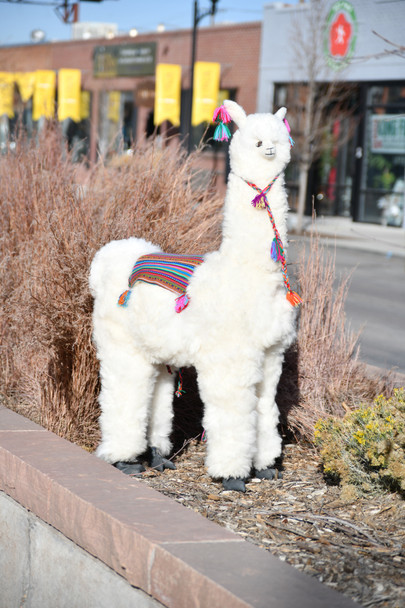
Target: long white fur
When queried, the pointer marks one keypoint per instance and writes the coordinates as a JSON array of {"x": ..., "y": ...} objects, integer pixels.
[{"x": 234, "y": 331}]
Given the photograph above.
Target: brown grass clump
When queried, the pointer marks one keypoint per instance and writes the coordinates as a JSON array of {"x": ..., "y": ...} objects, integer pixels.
[
  {"x": 53, "y": 218},
  {"x": 55, "y": 215},
  {"x": 322, "y": 375}
]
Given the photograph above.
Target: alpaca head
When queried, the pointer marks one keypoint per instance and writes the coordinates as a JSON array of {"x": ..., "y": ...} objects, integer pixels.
[{"x": 260, "y": 149}]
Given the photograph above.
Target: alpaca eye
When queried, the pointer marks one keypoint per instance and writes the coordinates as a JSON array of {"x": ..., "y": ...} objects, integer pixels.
[{"x": 259, "y": 144}]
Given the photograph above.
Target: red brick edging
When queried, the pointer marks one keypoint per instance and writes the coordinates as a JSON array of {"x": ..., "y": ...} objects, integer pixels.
[{"x": 156, "y": 544}]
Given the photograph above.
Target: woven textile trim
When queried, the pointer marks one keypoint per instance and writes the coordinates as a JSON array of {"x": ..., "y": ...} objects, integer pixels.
[{"x": 171, "y": 271}]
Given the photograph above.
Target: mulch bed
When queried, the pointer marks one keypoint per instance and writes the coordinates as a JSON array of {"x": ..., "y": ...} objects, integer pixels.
[{"x": 357, "y": 548}]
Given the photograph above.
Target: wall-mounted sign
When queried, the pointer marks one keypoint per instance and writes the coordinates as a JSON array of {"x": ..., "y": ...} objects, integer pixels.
[
  {"x": 110, "y": 61},
  {"x": 388, "y": 133},
  {"x": 340, "y": 34}
]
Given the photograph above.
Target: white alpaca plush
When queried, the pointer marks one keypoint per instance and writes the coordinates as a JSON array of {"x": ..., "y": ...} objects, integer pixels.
[{"x": 234, "y": 330}]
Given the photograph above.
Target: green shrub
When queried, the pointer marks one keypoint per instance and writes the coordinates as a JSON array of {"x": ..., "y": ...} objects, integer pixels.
[{"x": 365, "y": 450}]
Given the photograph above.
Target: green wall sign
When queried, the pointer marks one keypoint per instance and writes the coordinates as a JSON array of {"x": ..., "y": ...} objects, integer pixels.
[{"x": 110, "y": 61}]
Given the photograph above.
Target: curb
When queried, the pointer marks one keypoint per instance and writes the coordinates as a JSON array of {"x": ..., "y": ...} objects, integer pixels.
[{"x": 172, "y": 553}]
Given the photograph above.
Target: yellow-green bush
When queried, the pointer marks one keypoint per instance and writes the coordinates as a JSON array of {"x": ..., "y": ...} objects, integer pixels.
[{"x": 365, "y": 450}]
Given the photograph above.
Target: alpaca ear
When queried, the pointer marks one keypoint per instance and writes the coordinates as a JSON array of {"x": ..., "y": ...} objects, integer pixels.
[
  {"x": 281, "y": 113},
  {"x": 236, "y": 112}
]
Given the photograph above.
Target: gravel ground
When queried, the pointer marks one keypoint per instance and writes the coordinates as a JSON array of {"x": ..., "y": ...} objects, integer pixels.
[{"x": 356, "y": 547}]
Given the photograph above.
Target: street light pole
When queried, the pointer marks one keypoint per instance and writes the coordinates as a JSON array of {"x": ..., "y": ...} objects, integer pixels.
[{"x": 196, "y": 20}]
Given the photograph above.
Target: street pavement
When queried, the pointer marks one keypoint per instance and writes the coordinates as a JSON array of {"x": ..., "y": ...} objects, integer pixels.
[{"x": 375, "y": 304}]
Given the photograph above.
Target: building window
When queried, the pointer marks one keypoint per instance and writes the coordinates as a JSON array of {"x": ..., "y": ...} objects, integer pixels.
[{"x": 383, "y": 175}]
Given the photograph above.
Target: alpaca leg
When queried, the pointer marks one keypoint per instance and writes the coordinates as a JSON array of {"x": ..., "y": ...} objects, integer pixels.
[
  {"x": 229, "y": 421},
  {"x": 268, "y": 438},
  {"x": 160, "y": 420},
  {"x": 127, "y": 381}
]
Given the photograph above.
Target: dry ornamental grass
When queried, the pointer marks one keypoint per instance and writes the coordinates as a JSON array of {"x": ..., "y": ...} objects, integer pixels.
[{"x": 54, "y": 216}]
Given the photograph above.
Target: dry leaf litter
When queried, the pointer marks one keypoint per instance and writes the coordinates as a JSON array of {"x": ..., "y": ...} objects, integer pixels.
[{"x": 354, "y": 546}]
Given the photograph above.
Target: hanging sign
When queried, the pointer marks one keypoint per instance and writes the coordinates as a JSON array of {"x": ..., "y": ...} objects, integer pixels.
[
  {"x": 340, "y": 34},
  {"x": 84, "y": 105},
  {"x": 388, "y": 133},
  {"x": 168, "y": 94},
  {"x": 26, "y": 84},
  {"x": 69, "y": 82},
  {"x": 110, "y": 61},
  {"x": 7, "y": 94},
  {"x": 44, "y": 94},
  {"x": 114, "y": 104},
  {"x": 205, "y": 92}
]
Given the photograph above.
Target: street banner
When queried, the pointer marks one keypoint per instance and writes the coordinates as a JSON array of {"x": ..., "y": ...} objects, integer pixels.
[
  {"x": 44, "y": 94},
  {"x": 84, "y": 105},
  {"x": 69, "y": 82},
  {"x": 26, "y": 84},
  {"x": 7, "y": 94},
  {"x": 205, "y": 91},
  {"x": 113, "y": 111},
  {"x": 168, "y": 94}
]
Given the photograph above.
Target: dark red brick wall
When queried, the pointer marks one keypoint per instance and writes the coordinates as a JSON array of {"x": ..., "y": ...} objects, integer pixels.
[{"x": 236, "y": 47}]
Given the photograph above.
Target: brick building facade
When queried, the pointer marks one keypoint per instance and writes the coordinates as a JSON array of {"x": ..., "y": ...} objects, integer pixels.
[{"x": 235, "y": 47}]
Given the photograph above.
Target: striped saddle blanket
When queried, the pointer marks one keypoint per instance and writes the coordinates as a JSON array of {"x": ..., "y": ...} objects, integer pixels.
[{"x": 171, "y": 271}]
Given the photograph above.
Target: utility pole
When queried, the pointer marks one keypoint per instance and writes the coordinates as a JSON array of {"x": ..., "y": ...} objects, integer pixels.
[{"x": 196, "y": 20}]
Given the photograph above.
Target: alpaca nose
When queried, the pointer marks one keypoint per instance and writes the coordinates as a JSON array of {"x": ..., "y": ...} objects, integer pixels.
[{"x": 270, "y": 150}]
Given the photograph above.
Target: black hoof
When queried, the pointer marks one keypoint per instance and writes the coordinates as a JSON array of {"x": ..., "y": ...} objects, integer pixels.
[
  {"x": 129, "y": 468},
  {"x": 234, "y": 483},
  {"x": 158, "y": 462},
  {"x": 268, "y": 473}
]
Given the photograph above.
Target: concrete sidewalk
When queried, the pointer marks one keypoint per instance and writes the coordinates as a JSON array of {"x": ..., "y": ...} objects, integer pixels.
[{"x": 343, "y": 232}]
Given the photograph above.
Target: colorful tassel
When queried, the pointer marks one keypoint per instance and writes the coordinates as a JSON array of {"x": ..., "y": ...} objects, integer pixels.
[
  {"x": 180, "y": 391},
  {"x": 222, "y": 133},
  {"x": 222, "y": 118},
  {"x": 221, "y": 114},
  {"x": 292, "y": 142},
  {"x": 124, "y": 297},
  {"x": 258, "y": 201},
  {"x": 276, "y": 253},
  {"x": 293, "y": 298},
  {"x": 182, "y": 302},
  {"x": 204, "y": 437}
]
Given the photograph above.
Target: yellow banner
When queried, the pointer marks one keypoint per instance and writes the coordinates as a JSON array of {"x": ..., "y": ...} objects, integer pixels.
[
  {"x": 44, "y": 94},
  {"x": 205, "y": 91},
  {"x": 69, "y": 82},
  {"x": 113, "y": 112},
  {"x": 26, "y": 84},
  {"x": 168, "y": 94},
  {"x": 7, "y": 94},
  {"x": 84, "y": 105}
]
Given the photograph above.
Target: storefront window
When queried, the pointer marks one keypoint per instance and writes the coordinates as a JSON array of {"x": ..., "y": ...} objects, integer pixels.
[
  {"x": 384, "y": 158},
  {"x": 116, "y": 122}
]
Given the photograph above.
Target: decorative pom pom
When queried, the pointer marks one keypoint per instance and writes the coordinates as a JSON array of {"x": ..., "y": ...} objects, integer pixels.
[
  {"x": 182, "y": 302},
  {"x": 275, "y": 252},
  {"x": 293, "y": 298},
  {"x": 259, "y": 201},
  {"x": 222, "y": 132},
  {"x": 124, "y": 297},
  {"x": 221, "y": 114},
  {"x": 180, "y": 391}
]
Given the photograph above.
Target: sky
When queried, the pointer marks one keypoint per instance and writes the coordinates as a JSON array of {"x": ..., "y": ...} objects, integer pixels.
[{"x": 19, "y": 18}]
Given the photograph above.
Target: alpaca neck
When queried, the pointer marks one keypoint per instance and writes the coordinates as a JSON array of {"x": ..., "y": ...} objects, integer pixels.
[{"x": 247, "y": 231}]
